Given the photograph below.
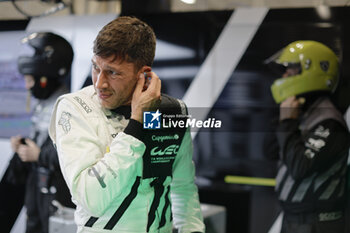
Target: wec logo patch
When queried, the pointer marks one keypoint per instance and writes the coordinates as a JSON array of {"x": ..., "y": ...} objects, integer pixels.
[{"x": 172, "y": 149}]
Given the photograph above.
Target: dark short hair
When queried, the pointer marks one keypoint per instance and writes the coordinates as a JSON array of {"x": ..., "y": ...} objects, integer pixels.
[{"x": 127, "y": 38}]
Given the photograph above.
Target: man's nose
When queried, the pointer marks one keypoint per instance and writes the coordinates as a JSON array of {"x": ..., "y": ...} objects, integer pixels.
[{"x": 102, "y": 81}]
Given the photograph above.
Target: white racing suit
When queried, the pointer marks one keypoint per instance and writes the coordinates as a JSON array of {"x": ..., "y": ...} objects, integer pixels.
[{"x": 115, "y": 185}]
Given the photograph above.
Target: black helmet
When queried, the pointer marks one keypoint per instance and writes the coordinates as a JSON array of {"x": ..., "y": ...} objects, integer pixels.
[{"x": 51, "y": 62}]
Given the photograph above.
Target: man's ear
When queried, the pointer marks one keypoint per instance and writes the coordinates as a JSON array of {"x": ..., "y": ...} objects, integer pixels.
[{"x": 144, "y": 69}]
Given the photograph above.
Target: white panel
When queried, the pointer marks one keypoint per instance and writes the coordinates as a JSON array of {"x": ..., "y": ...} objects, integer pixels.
[
  {"x": 6, "y": 154},
  {"x": 248, "y": 16},
  {"x": 347, "y": 117},
  {"x": 20, "y": 224},
  {"x": 177, "y": 72},
  {"x": 10, "y": 44},
  {"x": 166, "y": 50},
  {"x": 277, "y": 225},
  {"x": 223, "y": 59},
  {"x": 81, "y": 32}
]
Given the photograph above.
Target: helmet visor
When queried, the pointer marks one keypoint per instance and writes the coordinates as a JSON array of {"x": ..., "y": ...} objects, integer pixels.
[{"x": 282, "y": 68}]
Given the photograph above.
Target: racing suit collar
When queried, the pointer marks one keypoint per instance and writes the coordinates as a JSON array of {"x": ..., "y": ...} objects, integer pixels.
[{"x": 123, "y": 110}]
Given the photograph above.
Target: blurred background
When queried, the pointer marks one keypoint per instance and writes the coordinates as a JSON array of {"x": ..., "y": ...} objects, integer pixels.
[{"x": 209, "y": 53}]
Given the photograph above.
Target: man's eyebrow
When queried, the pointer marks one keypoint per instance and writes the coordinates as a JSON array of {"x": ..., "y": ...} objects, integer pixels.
[
  {"x": 114, "y": 69},
  {"x": 109, "y": 67}
]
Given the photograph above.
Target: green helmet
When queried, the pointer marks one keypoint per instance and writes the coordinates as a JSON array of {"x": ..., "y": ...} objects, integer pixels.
[{"x": 318, "y": 67}]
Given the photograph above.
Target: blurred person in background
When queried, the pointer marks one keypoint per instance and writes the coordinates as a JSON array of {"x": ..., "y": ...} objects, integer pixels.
[
  {"x": 46, "y": 68},
  {"x": 313, "y": 140}
]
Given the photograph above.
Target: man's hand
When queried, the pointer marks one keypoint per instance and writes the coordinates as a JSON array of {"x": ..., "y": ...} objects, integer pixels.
[
  {"x": 15, "y": 142},
  {"x": 28, "y": 152},
  {"x": 145, "y": 100},
  {"x": 290, "y": 108}
]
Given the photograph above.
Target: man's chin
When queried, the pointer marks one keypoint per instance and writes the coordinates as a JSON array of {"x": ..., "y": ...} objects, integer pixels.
[
  {"x": 108, "y": 105},
  {"x": 105, "y": 104}
]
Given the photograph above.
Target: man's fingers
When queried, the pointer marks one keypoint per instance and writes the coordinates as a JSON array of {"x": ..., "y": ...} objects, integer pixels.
[
  {"x": 23, "y": 158},
  {"x": 290, "y": 102},
  {"x": 15, "y": 139},
  {"x": 301, "y": 100},
  {"x": 22, "y": 152},
  {"x": 29, "y": 142},
  {"x": 155, "y": 84},
  {"x": 159, "y": 86},
  {"x": 140, "y": 83}
]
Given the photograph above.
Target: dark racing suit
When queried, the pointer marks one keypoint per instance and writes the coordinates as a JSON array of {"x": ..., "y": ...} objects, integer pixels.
[
  {"x": 311, "y": 181},
  {"x": 43, "y": 179}
]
